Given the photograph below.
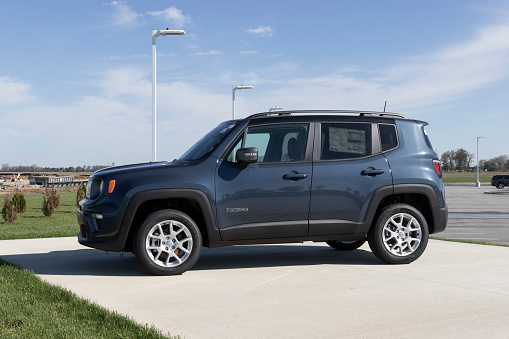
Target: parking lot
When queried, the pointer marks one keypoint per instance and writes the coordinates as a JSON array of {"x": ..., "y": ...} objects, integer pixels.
[
  {"x": 477, "y": 214},
  {"x": 454, "y": 290}
]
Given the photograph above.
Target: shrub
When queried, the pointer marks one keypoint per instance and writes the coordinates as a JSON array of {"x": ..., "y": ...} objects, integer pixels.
[
  {"x": 19, "y": 202},
  {"x": 80, "y": 195},
  {"x": 48, "y": 208},
  {"x": 55, "y": 197},
  {"x": 8, "y": 211}
]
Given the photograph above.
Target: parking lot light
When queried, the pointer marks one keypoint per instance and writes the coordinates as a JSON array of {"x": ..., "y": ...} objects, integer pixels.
[
  {"x": 477, "y": 183},
  {"x": 233, "y": 97},
  {"x": 155, "y": 34}
]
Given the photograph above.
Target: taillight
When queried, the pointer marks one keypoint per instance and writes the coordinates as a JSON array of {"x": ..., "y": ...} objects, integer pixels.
[{"x": 438, "y": 167}]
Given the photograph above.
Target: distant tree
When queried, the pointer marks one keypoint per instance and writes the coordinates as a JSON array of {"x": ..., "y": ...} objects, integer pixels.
[
  {"x": 462, "y": 159},
  {"x": 446, "y": 161}
]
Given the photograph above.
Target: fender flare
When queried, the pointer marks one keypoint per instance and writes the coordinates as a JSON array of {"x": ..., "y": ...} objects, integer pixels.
[{"x": 192, "y": 194}]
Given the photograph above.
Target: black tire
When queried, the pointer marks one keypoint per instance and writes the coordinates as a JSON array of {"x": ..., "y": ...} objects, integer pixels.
[
  {"x": 168, "y": 243},
  {"x": 346, "y": 245},
  {"x": 500, "y": 185},
  {"x": 399, "y": 235}
]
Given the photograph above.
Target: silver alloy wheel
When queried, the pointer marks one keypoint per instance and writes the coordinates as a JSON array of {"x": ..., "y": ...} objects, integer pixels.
[
  {"x": 402, "y": 234},
  {"x": 169, "y": 243}
]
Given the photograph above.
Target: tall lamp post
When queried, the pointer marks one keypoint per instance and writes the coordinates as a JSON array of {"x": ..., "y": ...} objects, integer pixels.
[
  {"x": 233, "y": 97},
  {"x": 477, "y": 183},
  {"x": 155, "y": 34}
]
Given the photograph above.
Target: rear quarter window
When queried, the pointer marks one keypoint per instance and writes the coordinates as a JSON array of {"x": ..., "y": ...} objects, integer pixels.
[{"x": 388, "y": 137}]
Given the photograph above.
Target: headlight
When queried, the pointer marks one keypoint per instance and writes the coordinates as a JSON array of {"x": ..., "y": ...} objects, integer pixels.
[{"x": 94, "y": 188}]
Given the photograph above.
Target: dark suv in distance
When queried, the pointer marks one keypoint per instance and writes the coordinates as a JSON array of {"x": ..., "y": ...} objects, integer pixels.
[
  {"x": 340, "y": 177},
  {"x": 500, "y": 181}
]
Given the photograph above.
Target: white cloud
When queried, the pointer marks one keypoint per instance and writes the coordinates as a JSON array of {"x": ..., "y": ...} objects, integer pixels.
[
  {"x": 248, "y": 52},
  {"x": 14, "y": 91},
  {"x": 172, "y": 16},
  {"x": 262, "y": 31},
  {"x": 122, "y": 57},
  {"x": 212, "y": 52},
  {"x": 124, "y": 16}
]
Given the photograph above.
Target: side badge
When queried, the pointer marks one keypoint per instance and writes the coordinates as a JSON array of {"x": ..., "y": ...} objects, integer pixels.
[{"x": 241, "y": 209}]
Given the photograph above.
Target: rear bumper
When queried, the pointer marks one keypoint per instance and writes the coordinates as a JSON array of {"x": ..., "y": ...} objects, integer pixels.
[{"x": 441, "y": 216}]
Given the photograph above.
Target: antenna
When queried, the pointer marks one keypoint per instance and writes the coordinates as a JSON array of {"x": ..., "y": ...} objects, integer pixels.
[{"x": 385, "y": 105}]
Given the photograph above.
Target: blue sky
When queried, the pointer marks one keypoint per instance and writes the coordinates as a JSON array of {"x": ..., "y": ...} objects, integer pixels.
[{"x": 76, "y": 76}]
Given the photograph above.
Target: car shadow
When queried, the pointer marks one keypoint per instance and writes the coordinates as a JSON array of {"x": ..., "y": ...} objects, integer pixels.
[{"x": 99, "y": 263}]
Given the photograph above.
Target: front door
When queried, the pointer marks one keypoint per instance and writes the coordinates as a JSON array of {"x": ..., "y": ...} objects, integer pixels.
[{"x": 268, "y": 199}]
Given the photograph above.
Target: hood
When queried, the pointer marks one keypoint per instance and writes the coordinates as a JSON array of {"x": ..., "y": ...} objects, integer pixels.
[{"x": 147, "y": 166}]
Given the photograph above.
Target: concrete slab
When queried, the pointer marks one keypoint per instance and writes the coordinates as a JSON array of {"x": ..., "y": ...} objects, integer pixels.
[{"x": 290, "y": 291}]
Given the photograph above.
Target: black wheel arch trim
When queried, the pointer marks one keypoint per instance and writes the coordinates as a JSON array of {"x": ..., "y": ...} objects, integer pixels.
[
  {"x": 118, "y": 243},
  {"x": 439, "y": 212}
]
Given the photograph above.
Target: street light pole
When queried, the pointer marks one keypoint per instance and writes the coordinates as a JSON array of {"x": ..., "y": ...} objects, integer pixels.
[
  {"x": 233, "y": 97},
  {"x": 478, "y": 183},
  {"x": 155, "y": 34}
]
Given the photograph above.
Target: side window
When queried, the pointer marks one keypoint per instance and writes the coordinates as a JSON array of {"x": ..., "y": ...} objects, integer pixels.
[
  {"x": 345, "y": 141},
  {"x": 278, "y": 143},
  {"x": 388, "y": 137},
  {"x": 260, "y": 141}
]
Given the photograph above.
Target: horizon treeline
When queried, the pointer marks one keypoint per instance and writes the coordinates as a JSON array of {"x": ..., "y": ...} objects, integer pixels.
[
  {"x": 35, "y": 168},
  {"x": 462, "y": 161}
]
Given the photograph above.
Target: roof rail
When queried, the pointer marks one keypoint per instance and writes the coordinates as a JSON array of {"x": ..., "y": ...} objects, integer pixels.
[{"x": 360, "y": 113}]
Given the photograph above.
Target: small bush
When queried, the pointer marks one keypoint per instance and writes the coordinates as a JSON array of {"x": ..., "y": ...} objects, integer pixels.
[
  {"x": 19, "y": 202},
  {"x": 48, "y": 204},
  {"x": 80, "y": 195},
  {"x": 55, "y": 197},
  {"x": 8, "y": 211}
]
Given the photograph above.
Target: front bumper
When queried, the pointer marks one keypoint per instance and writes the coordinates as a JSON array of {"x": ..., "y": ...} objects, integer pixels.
[{"x": 92, "y": 233}]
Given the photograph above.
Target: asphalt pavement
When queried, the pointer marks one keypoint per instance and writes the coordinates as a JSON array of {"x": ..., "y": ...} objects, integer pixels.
[
  {"x": 477, "y": 214},
  {"x": 454, "y": 290}
]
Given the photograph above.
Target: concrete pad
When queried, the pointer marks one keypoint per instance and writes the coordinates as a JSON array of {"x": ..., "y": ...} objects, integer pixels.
[{"x": 290, "y": 291}]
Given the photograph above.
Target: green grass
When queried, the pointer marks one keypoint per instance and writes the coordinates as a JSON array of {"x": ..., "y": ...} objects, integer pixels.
[
  {"x": 470, "y": 242},
  {"x": 34, "y": 224},
  {"x": 32, "y": 308},
  {"x": 469, "y": 177}
]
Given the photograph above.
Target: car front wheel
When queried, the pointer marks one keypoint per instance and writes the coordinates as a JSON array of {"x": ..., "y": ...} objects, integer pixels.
[
  {"x": 168, "y": 243},
  {"x": 399, "y": 235}
]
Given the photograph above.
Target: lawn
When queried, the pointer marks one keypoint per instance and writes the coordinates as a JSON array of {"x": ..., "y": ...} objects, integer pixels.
[
  {"x": 34, "y": 224},
  {"x": 455, "y": 177},
  {"x": 32, "y": 308}
]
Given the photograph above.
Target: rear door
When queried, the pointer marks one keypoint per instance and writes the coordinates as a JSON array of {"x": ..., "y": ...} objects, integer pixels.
[{"x": 348, "y": 168}]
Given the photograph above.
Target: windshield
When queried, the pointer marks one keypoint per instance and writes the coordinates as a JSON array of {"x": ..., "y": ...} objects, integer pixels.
[{"x": 208, "y": 142}]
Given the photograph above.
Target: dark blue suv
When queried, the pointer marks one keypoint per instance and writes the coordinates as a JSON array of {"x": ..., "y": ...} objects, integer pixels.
[{"x": 340, "y": 177}]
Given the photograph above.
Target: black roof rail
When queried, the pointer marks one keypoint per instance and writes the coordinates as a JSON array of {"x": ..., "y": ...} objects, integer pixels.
[{"x": 360, "y": 113}]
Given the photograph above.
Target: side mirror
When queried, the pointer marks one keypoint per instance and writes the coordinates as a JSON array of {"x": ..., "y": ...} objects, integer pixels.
[{"x": 246, "y": 156}]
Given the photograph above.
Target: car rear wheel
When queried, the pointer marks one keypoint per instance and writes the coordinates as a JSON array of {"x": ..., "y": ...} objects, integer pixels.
[
  {"x": 346, "y": 245},
  {"x": 168, "y": 243},
  {"x": 500, "y": 185},
  {"x": 400, "y": 234}
]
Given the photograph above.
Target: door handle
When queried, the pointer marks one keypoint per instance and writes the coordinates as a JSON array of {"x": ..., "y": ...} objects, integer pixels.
[
  {"x": 371, "y": 171},
  {"x": 295, "y": 176}
]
